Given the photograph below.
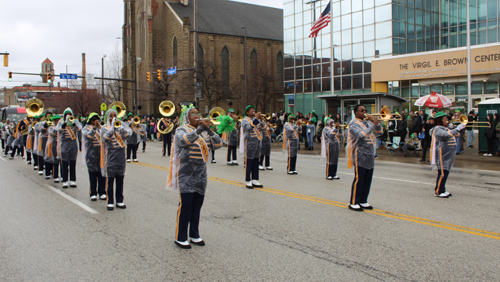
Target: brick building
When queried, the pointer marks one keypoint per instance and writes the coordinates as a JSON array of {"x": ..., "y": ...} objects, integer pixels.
[{"x": 161, "y": 34}]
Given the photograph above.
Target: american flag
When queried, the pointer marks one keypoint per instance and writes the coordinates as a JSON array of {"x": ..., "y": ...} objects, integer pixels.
[{"x": 322, "y": 22}]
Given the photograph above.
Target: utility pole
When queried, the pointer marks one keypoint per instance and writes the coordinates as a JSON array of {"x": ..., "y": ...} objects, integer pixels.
[
  {"x": 246, "y": 74},
  {"x": 135, "y": 85},
  {"x": 195, "y": 34},
  {"x": 102, "y": 82},
  {"x": 84, "y": 72}
]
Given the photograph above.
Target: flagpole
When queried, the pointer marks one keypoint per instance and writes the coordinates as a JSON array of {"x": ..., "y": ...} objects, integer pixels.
[{"x": 332, "y": 58}]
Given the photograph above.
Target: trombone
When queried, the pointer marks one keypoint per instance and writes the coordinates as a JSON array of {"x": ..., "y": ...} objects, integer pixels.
[
  {"x": 463, "y": 119},
  {"x": 214, "y": 114},
  {"x": 267, "y": 116},
  {"x": 386, "y": 115}
]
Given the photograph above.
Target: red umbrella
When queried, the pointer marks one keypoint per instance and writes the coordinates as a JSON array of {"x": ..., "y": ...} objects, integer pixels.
[{"x": 434, "y": 100}]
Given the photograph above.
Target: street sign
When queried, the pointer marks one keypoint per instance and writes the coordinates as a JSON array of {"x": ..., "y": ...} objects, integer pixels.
[
  {"x": 90, "y": 78},
  {"x": 68, "y": 76},
  {"x": 104, "y": 107},
  {"x": 291, "y": 100},
  {"x": 172, "y": 70}
]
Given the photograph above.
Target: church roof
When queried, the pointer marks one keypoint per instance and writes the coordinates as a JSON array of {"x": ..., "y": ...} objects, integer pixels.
[
  {"x": 47, "y": 61},
  {"x": 228, "y": 17}
]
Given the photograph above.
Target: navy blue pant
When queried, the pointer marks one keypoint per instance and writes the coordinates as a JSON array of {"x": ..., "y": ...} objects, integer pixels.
[
  {"x": 20, "y": 151},
  {"x": 331, "y": 170},
  {"x": 231, "y": 152},
  {"x": 97, "y": 183},
  {"x": 35, "y": 160},
  {"x": 292, "y": 163},
  {"x": 41, "y": 162},
  {"x": 167, "y": 143},
  {"x": 252, "y": 169},
  {"x": 52, "y": 169},
  {"x": 119, "y": 189},
  {"x": 441, "y": 181},
  {"x": 361, "y": 185},
  {"x": 132, "y": 148},
  {"x": 189, "y": 214},
  {"x": 72, "y": 170},
  {"x": 267, "y": 158}
]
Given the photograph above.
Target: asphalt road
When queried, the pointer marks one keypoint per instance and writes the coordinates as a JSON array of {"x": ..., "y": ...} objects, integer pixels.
[{"x": 296, "y": 228}]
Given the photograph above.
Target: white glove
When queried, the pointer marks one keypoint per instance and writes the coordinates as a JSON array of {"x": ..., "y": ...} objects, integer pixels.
[
  {"x": 67, "y": 118},
  {"x": 460, "y": 127}
]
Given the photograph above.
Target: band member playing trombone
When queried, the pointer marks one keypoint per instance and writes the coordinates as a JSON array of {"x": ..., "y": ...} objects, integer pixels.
[
  {"x": 51, "y": 157},
  {"x": 188, "y": 172},
  {"x": 114, "y": 137},
  {"x": 250, "y": 144},
  {"x": 292, "y": 132},
  {"x": 360, "y": 152},
  {"x": 443, "y": 153},
  {"x": 67, "y": 129},
  {"x": 265, "y": 152},
  {"x": 330, "y": 148},
  {"x": 133, "y": 140},
  {"x": 92, "y": 157},
  {"x": 232, "y": 140}
]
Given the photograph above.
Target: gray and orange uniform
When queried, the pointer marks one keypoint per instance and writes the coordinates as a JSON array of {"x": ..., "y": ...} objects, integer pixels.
[
  {"x": 92, "y": 159},
  {"x": 331, "y": 145},
  {"x": 291, "y": 144},
  {"x": 360, "y": 152},
  {"x": 265, "y": 152},
  {"x": 250, "y": 143},
  {"x": 189, "y": 175},
  {"x": 443, "y": 152}
]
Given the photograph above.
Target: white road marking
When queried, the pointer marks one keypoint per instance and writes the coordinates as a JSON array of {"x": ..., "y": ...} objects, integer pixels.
[
  {"x": 3, "y": 159},
  {"x": 394, "y": 179},
  {"x": 73, "y": 200}
]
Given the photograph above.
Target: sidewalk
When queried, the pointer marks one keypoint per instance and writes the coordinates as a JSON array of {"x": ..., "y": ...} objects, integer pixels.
[{"x": 469, "y": 158}]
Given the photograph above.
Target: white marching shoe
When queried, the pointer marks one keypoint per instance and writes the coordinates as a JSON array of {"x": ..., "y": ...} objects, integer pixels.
[
  {"x": 269, "y": 168},
  {"x": 57, "y": 180},
  {"x": 256, "y": 183},
  {"x": 65, "y": 184},
  {"x": 40, "y": 172},
  {"x": 72, "y": 184},
  {"x": 261, "y": 167}
]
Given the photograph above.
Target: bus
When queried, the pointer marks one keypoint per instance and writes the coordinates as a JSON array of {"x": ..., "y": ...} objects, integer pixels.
[{"x": 14, "y": 113}]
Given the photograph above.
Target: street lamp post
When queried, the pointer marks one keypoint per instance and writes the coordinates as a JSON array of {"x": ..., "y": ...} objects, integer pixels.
[
  {"x": 246, "y": 77},
  {"x": 102, "y": 80}
]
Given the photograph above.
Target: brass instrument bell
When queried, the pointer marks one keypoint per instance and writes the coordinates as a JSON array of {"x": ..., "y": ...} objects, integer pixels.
[
  {"x": 167, "y": 108},
  {"x": 136, "y": 120},
  {"x": 118, "y": 123},
  {"x": 267, "y": 116},
  {"x": 386, "y": 115},
  {"x": 214, "y": 114},
  {"x": 120, "y": 108},
  {"x": 34, "y": 107}
]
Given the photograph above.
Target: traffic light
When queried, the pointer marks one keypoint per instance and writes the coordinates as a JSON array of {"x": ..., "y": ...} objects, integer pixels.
[
  {"x": 49, "y": 78},
  {"x": 10, "y": 76},
  {"x": 158, "y": 74},
  {"x": 5, "y": 60},
  {"x": 148, "y": 76}
]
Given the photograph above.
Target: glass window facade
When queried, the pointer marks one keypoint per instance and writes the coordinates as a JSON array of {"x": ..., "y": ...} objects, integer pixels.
[{"x": 361, "y": 30}]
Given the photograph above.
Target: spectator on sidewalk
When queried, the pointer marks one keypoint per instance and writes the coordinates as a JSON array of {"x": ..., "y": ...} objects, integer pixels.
[
  {"x": 496, "y": 127},
  {"x": 402, "y": 128},
  {"x": 426, "y": 142},
  {"x": 417, "y": 124},
  {"x": 490, "y": 136},
  {"x": 411, "y": 145}
]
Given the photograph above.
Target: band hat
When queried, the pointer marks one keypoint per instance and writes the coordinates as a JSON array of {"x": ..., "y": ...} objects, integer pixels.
[
  {"x": 130, "y": 114},
  {"x": 248, "y": 108},
  {"x": 291, "y": 116},
  {"x": 37, "y": 117},
  {"x": 440, "y": 114},
  {"x": 231, "y": 110},
  {"x": 93, "y": 115},
  {"x": 42, "y": 115},
  {"x": 55, "y": 117}
]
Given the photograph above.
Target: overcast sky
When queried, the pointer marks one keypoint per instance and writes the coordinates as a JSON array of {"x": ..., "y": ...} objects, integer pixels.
[{"x": 33, "y": 30}]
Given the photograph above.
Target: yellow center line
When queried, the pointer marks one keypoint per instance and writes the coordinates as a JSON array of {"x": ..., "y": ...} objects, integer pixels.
[{"x": 424, "y": 221}]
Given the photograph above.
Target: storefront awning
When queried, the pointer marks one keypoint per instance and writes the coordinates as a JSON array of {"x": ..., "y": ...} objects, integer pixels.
[{"x": 364, "y": 96}]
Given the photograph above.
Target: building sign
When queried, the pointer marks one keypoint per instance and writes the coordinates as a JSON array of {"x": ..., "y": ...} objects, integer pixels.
[
  {"x": 291, "y": 100},
  {"x": 437, "y": 64}
]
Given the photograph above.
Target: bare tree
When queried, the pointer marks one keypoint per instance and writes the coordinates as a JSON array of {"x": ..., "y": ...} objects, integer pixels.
[
  {"x": 262, "y": 90},
  {"x": 213, "y": 88},
  {"x": 113, "y": 69}
]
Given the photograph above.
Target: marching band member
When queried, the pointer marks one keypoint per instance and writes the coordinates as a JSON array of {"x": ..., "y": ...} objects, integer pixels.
[
  {"x": 144, "y": 135},
  {"x": 67, "y": 131},
  {"x": 250, "y": 144},
  {"x": 330, "y": 148},
  {"x": 92, "y": 157},
  {"x": 188, "y": 172},
  {"x": 167, "y": 138},
  {"x": 232, "y": 140},
  {"x": 113, "y": 162},
  {"x": 51, "y": 159},
  {"x": 443, "y": 153},
  {"x": 133, "y": 140},
  {"x": 42, "y": 141},
  {"x": 18, "y": 144},
  {"x": 9, "y": 136},
  {"x": 291, "y": 143},
  {"x": 360, "y": 151},
  {"x": 265, "y": 152},
  {"x": 29, "y": 140},
  {"x": 3, "y": 134}
]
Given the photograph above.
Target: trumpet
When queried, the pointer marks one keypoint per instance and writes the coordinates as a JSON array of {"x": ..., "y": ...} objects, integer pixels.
[
  {"x": 71, "y": 119},
  {"x": 102, "y": 123},
  {"x": 239, "y": 118},
  {"x": 49, "y": 123},
  {"x": 118, "y": 123},
  {"x": 136, "y": 120},
  {"x": 34, "y": 123},
  {"x": 465, "y": 120},
  {"x": 267, "y": 116},
  {"x": 214, "y": 114}
]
